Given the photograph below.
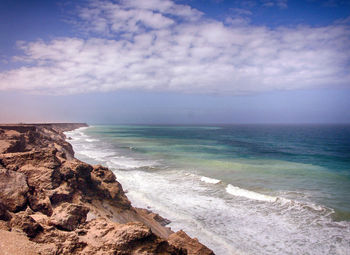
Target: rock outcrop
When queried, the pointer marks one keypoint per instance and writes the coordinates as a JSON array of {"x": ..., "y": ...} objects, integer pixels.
[
  {"x": 14, "y": 189},
  {"x": 193, "y": 246},
  {"x": 56, "y": 204}
]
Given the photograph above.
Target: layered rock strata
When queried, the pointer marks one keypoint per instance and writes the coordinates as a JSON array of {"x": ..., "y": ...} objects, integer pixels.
[{"x": 52, "y": 203}]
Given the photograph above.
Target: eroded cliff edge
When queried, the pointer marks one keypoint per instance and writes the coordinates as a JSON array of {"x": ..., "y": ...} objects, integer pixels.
[{"x": 52, "y": 203}]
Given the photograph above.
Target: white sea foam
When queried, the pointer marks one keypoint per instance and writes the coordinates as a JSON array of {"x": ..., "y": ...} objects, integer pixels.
[
  {"x": 191, "y": 174},
  {"x": 236, "y": 191},
  {"x": 122, "y": 162},
  {"x": 90, "y": 140},
  {"x": 180, "y": 201},
  {"x": 278, "y": 226},
  {"x": 97, "y": 154},
  {"x": 77, "y": 134},
  {"x": 281, "y": 201},
  {"x": 210, "y": 180}
]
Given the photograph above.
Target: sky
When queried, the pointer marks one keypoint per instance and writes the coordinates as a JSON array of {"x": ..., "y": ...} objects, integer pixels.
[{"x": 175, "y": 62}]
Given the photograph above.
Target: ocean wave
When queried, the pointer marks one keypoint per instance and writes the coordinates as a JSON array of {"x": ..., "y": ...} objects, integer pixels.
[
  {"x": 97, "y": 154},
  {"x": 281, "y": 201},
  {"x": 126, "y": 163},
  {"x": 236, "y": 191},
  {"x": 90, "y": 140},
  {"x": 77, "y": 134},
  {"x": 210, "y": 180}
]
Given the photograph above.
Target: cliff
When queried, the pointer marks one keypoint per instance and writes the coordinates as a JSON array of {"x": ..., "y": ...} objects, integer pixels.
[{"x": 52, "y": 203}]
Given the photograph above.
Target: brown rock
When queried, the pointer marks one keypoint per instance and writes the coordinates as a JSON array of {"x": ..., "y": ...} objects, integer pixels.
[
  {"x": 17, "y": 145},
  {"x": 36, "y": 157},
  {"x": 26, "y": 223},
  {"x": 13, "y": 188},
  {"x": 83, "y": 170},
  {"x": 63, "y": 193},
  {"x": 4, "y": 145},
  {"x": 66, "y": 172},
  {"x": 68, "y": 216},
  {"x": 105, "y": 185},
  {"x": 38, "y": 177},
  {"x": 104, "y": 174},
  {"x": 39, "y": 201},
  {"x": 162, "y": 221},
  {"x": 193, "y": 247},
  {"x": 4, "y": 225},
  {"x": 4, "y": 214},
  {"x": 54, "y": 241},
  {"x": 131, "y": 238},
  {"x": 77, "y": 175}
]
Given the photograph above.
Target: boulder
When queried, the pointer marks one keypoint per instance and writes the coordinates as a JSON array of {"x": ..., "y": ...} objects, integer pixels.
[
  {"x": 38, "y": 177},
  {"x": 103, "y": 174},
  {"x": 26, "y": 223},
  {"x": 108, "y": 237},
  {"x": 193, "y": 246},
  {"x": 39, "y": 201},
  {"x": 13, "y": 188},
  {"x": 63, "y": 193},
  {"x": 106, "y": 187},
  {"x": 4, "y": 214},
  {"x": 68, "y": 216}
]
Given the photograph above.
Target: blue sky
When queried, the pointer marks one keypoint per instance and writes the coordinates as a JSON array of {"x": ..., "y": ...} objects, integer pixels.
[{"x": 162, "y": 61}]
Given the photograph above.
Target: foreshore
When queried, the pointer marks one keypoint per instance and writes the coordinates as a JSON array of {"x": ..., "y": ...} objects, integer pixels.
[{"x": 53, "y": 203}]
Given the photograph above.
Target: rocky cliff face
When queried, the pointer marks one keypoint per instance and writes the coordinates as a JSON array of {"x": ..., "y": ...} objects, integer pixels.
[{"x": 56, "y": 204}]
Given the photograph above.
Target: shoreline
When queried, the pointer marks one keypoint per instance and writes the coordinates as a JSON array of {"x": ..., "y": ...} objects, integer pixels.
[{"x": 58, "y": 203}]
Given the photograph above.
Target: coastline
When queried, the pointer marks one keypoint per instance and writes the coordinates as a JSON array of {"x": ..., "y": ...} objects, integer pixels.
[{"x": 56, "y": 203}]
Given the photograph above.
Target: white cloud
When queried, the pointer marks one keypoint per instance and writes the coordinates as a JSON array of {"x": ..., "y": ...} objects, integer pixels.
[
  {"x": 133, "y": 16},
  {"x": 163, "y": 46},
  {"x": 272, "y": 3}
]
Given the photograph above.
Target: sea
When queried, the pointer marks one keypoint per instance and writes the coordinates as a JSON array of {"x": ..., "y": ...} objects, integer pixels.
[{"x": 240, "y": 189}]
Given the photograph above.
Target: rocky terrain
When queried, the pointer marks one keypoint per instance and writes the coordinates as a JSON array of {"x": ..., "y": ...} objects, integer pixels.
[{"x": 52, "y": 203}]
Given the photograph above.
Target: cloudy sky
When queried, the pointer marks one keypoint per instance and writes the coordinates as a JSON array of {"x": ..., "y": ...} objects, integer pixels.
[{"x": 163, "y": 61}]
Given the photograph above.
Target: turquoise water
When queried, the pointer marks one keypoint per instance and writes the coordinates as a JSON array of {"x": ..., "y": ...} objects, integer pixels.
[{"x": 285, "y": 189}]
